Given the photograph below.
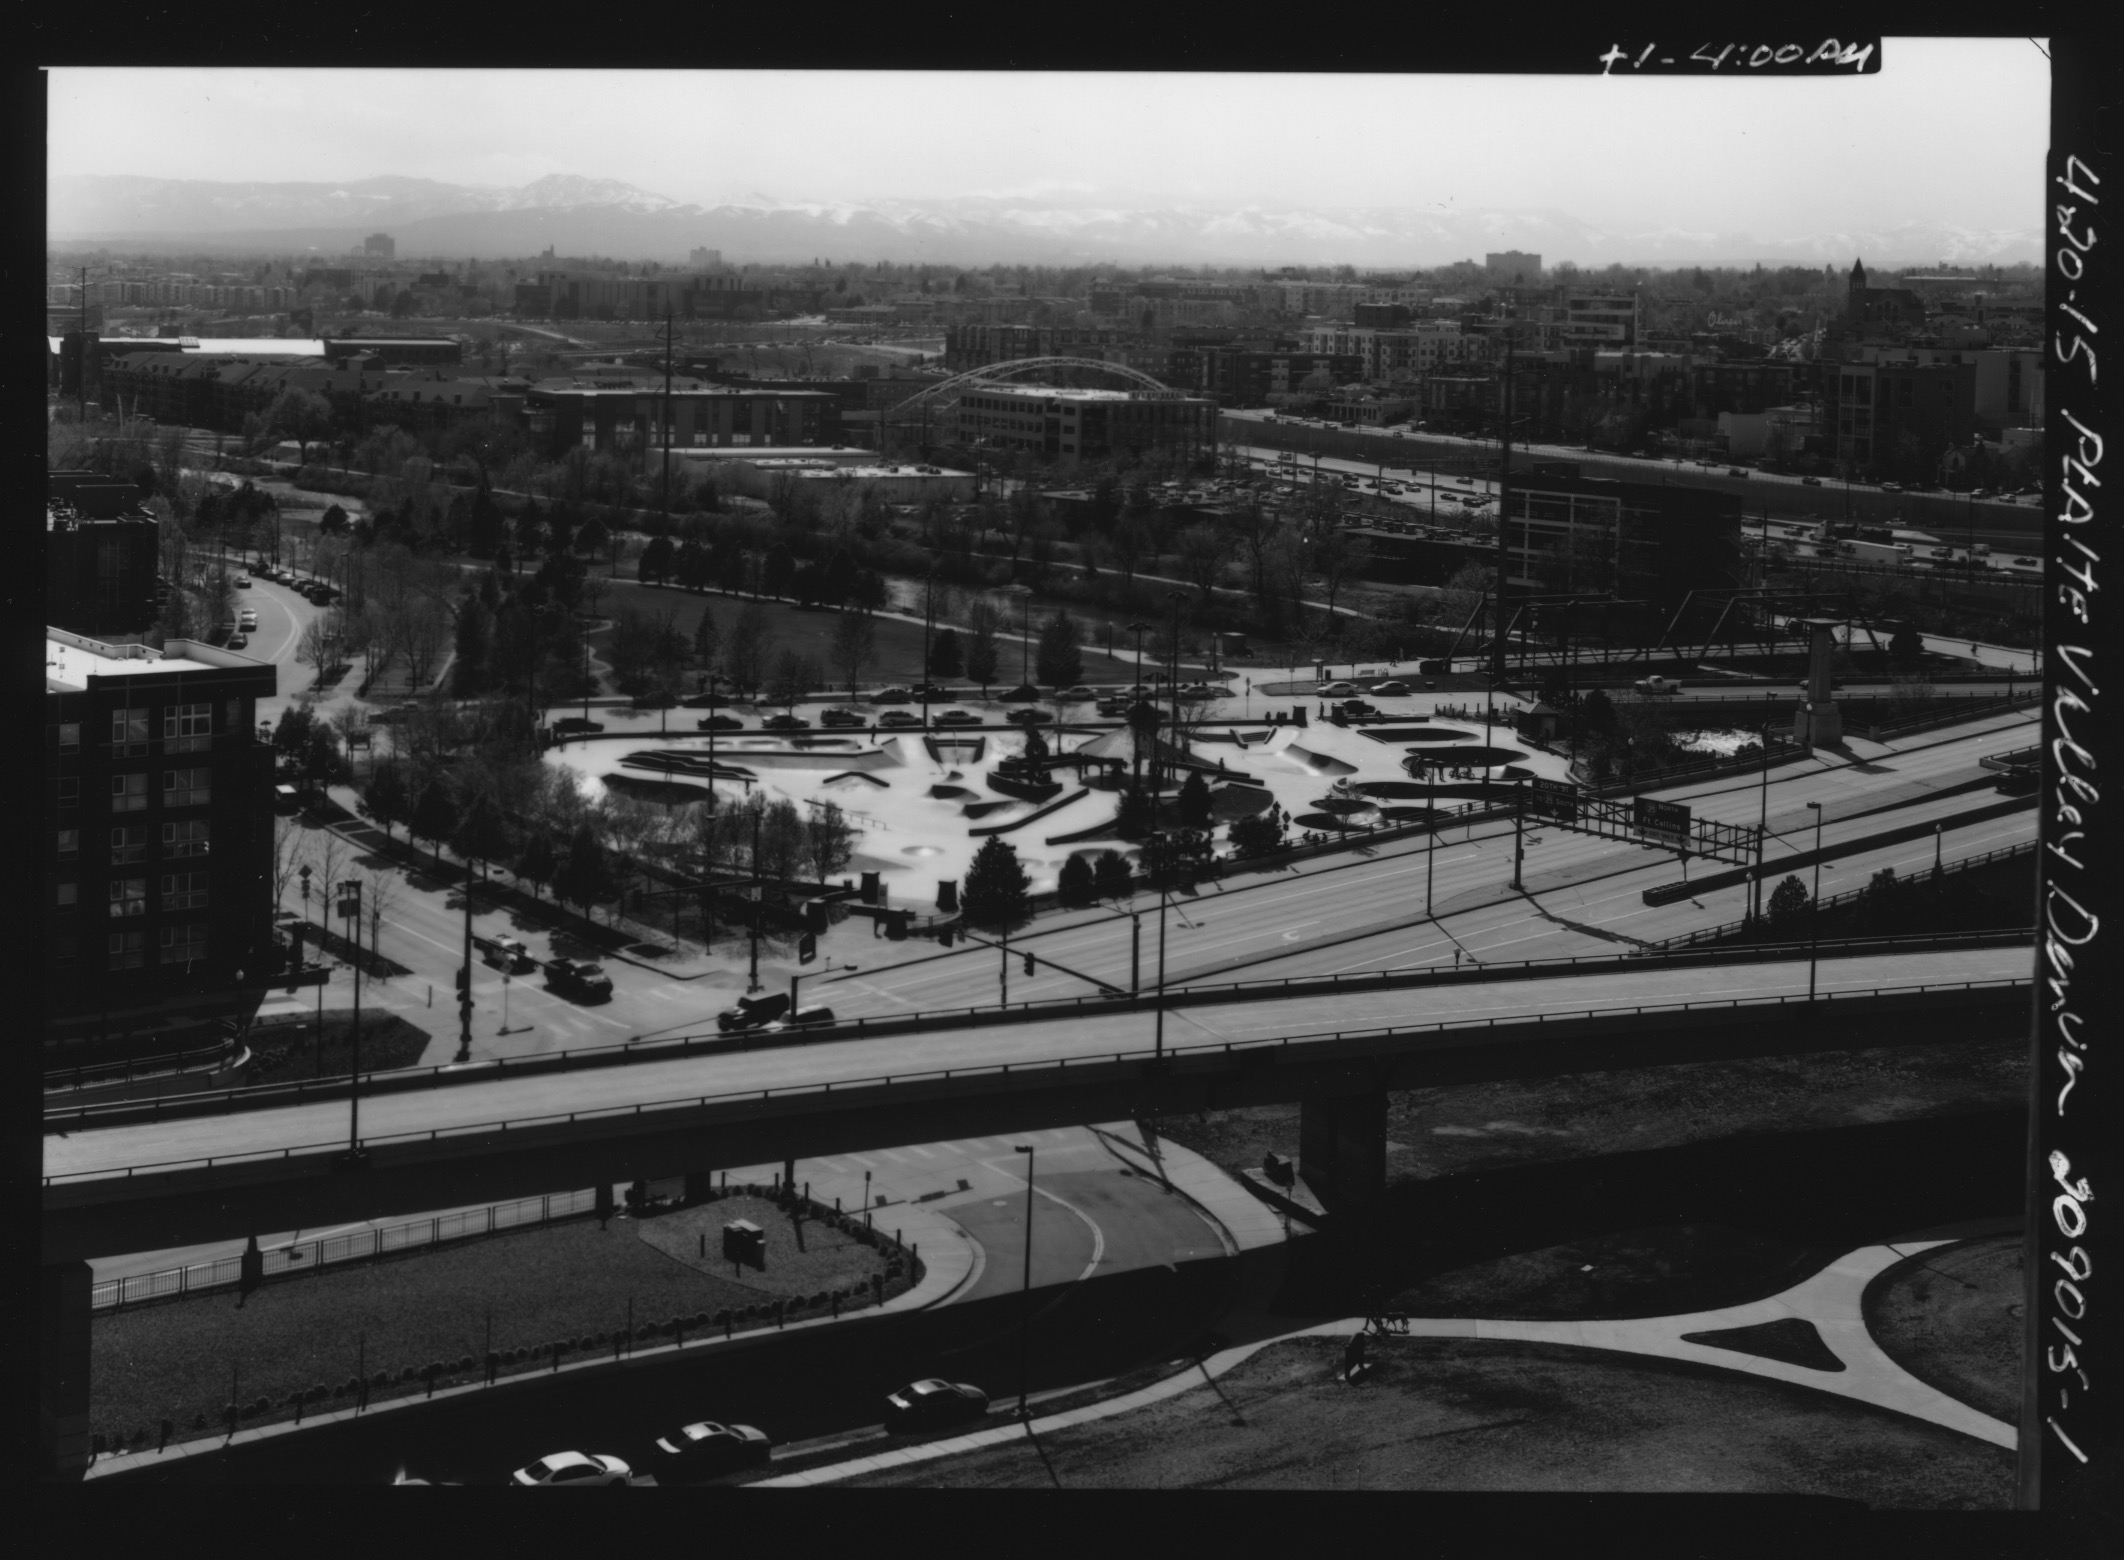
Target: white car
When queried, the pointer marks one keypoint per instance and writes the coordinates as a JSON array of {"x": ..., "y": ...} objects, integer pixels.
[
  {"x": 563, "y": 1469},
  {"x": 1337, "y": 690},
  {"x": 1656, "y": 685}
]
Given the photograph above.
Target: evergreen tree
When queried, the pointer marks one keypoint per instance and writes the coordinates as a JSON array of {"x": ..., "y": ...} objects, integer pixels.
[
  {"x": 1138, "y": 814},
  {"x": 707, "y": 639},
  {"x": 1194, "y": 806},
  {"x": 1790, "y": 905},
  {"x": 944, "y": 656},
  {"x": 657, "y": 562},
  {"x": 1258, "y": 834},
  {"x": 982, "y": 656},
  {"x": 1058, "y": 660},
  {"x": 482, "y": 835},
  {"x": 584, "y": 876},
  {"x": 537, "y": 863},
  {"x": 1077, "y": 884},
  {"x": 996, "y": 886},
  {"x": 483, "y": 524},
  {"x": 1112, "y": 875}
]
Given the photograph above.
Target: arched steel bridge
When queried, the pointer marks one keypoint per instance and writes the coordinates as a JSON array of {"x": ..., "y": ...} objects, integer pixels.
[{"x": 947, "y": 391}]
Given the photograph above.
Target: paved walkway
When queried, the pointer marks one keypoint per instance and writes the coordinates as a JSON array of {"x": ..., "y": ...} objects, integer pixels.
[{"x": 1830, "y": 1300}]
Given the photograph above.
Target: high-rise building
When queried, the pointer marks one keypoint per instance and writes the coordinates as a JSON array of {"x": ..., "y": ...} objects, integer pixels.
[
  {"x": 380, "y": 246},
  {"x": 1512, "y": 268}
]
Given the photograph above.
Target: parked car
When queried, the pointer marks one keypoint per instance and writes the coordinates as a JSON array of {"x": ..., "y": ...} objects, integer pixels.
[
  {"x": 1655, "y": 685},
  {"x": 2026, "y": 563},
  {"x": 243, "y": 582},
  {"x": 1025, "y": 717},
  {"x": 1891, "y": 487},
  {"x": 584, "y": 982},
  {"x": 576, "y": 726},
  {"x": 922, "y": 1405},
  {"x": 892, "y": 696},
  {"x": 1201, "y": 690},
  {"x": 843, "y": 718},
  {"x": 753, "y": 1012},
  {"x": 935, "y": 693},
  {"x": 719, "y": 723},
  {"x": 898, "y": 718},
  {"x": 1336, "y": 690},
  {"x": 958, "y": 718},
  {"x": 239, "y": 640},
  {"x": 1393, "y": 685},
  {"x": 563, "y": 1469},
  {"x": 705, "y": 1449},
  {"x": 785, "y": 723},
  {"x": 247, "y": 618},
  {"x": 1811, "y": 481},
  {"x": 1080, "y": 693}
]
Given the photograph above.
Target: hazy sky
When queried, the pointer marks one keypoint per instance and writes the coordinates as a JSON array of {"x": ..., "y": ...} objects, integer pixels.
[{"x": 1952, "y": 131}]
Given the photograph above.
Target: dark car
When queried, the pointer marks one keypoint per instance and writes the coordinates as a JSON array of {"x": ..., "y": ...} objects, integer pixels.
[
  {"x": 1812, "y": 481},
  {"x": 786, "y": 723},
  {"x": 898, "y": 718},
  {"x": 576, "y": 726},
  {"x": 2019, "y": 782},
  {"x": 753, "y": 1012},
  {"x": 1027, "y": 717},
  {"x": 584, "y": 982},
  {"x": 924, "y": 1405},
  {"x": 843, "y": 718},
  {"x": 705, "y": 1449},
  {"x": 891, "y": 696},
  {"x": 719, "y": 723},
  {"x": 958, "y": 718},
  {"x": 933, "y": 693}
]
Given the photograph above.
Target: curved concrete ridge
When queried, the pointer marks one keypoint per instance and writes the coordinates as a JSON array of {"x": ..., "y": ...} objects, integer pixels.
[{"x": 1830, "y": 1299}]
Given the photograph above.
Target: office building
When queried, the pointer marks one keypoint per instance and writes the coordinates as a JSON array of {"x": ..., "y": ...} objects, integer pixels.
[
  {"x": 1088, "y": 424},
  {"x": 1640, "y": 540},
  {"x": 158, "y": 823},
  {"x": 101, "y": 549}
]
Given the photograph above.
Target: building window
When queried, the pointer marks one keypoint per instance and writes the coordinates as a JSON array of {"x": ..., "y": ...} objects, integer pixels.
[
  {"x": 128, "y": 897},
  {"x": 69, "y": 791},
  {"x": 233, "y": 720},
  {"x": 187, "y": 728},
  {"x": 128, "y": 845},
  {"x": 129, "y": 730},
  {"x": 186, "y": 787},
  {"x": 128, "y": 950},
  {"x": 70, "y": 736},
  {"x": 184, "y": 890},
  {"x": 192, "y": 838},
  {"x": 69, "y": 844},
  {"x": 69, "y": 894},
  {"x": 128, "y": 793}
]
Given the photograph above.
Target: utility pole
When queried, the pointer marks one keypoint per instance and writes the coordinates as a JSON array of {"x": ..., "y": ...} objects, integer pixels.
[
  {"x": 1504, "y": 564},
  {"x": 464, "y": 979},
  {"x": 668, "y": 337},
  {"x": 753, "y": 980},
  {"x": 81, "y": 353}
]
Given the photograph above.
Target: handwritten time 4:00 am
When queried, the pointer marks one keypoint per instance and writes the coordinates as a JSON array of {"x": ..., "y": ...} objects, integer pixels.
[{"x": 1828, "y": 55}]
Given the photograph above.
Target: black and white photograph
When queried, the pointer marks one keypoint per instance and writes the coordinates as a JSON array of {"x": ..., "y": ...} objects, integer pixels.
[{"x": 1059, "y": 779}]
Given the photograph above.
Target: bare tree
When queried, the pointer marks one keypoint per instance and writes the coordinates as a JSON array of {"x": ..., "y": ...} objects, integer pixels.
[
  {"x": 427, "y": 631},
  {"x": 289, "y": 849}
]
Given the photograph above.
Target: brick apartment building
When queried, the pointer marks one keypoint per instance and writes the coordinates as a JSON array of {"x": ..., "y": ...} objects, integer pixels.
[
  {"x": 158, "y": 823},
  {"x": 101, "y": 550}
]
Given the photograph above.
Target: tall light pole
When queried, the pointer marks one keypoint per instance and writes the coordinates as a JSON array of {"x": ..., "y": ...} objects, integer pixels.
[
  {"x": 1158, "y": 1031},
  {"x": 929, "y": 609},
  {"x": 1430, "y": 808},
  {"x": 1177, "y": 598},
  {"x": 350, "y": 910},
  {"x": 1762, "y": 822},
  {"x": 1814, "y": 909},
  {"x": 1025, "y": 1292},
  {"x": 464, "y": 977},
  {"x": 758, "y": 890}
]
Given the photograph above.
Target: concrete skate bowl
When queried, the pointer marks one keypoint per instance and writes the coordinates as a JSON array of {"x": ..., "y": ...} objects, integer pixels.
[
  {"x": 692, "y": 765},
  {"x": 1239, "y": 801},
  {"x": 950, "y": 793},
  {"x": 1334, "y": 823},
  {"x": 1476, "y": 757},
  {"x": 1317, "y": 763},
  {"x": 1405, "y": 814},
  {"x": 1345, "y": 806},
  {"x": 665, "y": 793},
  {"x": 1417, "y": 734},
  {"x": 856, "y": 777}
]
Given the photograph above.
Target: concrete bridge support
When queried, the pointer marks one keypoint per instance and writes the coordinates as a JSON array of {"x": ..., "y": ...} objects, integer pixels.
[
  {"x": 1342, "y": 1148},
  {"x": 63, "y": 1369}
]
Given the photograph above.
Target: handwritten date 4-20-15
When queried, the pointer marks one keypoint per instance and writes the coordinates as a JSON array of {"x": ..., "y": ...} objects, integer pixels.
[{"x": 1861, "y": 56}]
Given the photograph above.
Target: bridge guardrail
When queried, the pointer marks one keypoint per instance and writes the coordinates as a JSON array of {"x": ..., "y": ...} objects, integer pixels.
[
  {"x": 1041, "y": 1009},
  {"x": 1060, "y": 1064}
]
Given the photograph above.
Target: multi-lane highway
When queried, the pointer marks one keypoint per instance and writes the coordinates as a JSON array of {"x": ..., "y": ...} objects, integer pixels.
[{"x": 318, "y": 1125}]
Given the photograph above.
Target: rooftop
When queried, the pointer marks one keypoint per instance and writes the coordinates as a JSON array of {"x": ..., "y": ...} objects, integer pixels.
[{"x": 70, "y": 660}]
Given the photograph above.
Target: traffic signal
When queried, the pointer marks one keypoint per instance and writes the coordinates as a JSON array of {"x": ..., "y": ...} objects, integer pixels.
[
  {"x": 464, "y": 980},
  {"x": 1028, "y": 964},
  {"x": 807, "y": 948}
]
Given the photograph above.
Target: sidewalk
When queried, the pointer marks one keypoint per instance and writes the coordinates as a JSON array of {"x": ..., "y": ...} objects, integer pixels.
[{"x": 1830, "y": 1300}]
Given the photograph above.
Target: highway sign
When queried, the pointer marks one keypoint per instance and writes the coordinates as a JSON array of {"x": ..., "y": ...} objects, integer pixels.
[
  {"x": 1663, "y": 823},
  {"x": 1553, "y": 799}
]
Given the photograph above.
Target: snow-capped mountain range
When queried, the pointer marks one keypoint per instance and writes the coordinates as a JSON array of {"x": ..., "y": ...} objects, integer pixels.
[{"x": 574, "y": 215}]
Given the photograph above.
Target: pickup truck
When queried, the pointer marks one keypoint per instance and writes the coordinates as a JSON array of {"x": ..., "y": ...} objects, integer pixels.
[
  {"x": 753, "y": 1012},
  {"x": 505, "y": 954},
  {"x": 584, "y": 982},
  {"x": 1656, "y": 685}
]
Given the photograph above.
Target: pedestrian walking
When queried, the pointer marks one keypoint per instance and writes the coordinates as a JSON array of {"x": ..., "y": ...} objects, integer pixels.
[{"x": 1353, "y": 1359}]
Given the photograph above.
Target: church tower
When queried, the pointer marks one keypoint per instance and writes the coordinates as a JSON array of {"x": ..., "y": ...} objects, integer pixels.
[{"x": 1855, "y": 299}]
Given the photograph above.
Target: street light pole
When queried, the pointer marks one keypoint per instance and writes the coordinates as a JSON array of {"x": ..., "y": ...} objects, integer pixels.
[
  {"x": 753, "y": 980},
  {"x": 1025, "y": 1291},
  {"x": 1430, "y": 808},
  {"x": 1814, "y": 909},
  {"x": 1762, "y": 823},
  {"x": 1158, "y": 1033},
  {"x": 464, "y": 978}
]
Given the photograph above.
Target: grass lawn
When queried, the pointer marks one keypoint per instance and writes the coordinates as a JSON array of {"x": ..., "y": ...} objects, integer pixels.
[
  {"x": 898, "y": 654},
  {"x": 570, "y": 1282},
  {"x": 1464, "y": 1414},
  {"x": 387, "y": 1041},
  {"x": 1952, "y": 1318}
]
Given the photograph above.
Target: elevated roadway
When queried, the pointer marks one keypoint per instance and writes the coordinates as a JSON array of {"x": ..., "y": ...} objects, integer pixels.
[{"x": 195, "y": 1180}]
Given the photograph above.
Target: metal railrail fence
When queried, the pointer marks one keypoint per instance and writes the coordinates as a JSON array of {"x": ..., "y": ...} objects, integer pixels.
[{"x": 1034, "y": 1070}]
